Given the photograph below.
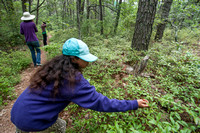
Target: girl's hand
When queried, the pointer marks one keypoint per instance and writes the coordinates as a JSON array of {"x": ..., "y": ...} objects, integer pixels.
[{"x": 142, "y": 103}]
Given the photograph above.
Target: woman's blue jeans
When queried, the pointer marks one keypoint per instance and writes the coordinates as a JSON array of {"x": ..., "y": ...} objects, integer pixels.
[{"x": 35, "y": 46}]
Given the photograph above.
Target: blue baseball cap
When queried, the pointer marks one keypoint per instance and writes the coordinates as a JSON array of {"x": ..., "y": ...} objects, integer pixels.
[{"x": 78, "y": 48}]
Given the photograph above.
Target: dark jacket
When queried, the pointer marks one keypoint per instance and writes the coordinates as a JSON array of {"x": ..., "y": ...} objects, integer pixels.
[{"x": 36, "y": 111}]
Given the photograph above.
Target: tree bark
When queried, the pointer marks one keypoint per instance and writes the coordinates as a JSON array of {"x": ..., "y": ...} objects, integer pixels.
[
  {"x": 144, "y": 22},
  {"x": 165, "y": 9},
  {"x": 30, "y": 3},
  {"x": 24, "y": 8},
  {"x": 64, "y": 13},
  {"x": 101, "y": 16},
  {"x": 88, "y": 9},
  {"x": 118, "y": 16},
  {"x": 11, "y": 15},
  {"x": 4, "y": 5},
  {"x": 37, "y": 16},
  {"x": 82, "y": 5},
  {"x": 10, "y": 7},
  {"x": 78, "y": 5}
]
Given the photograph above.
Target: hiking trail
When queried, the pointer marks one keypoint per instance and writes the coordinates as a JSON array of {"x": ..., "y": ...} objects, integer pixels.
[{"x": 6, "y": 126}]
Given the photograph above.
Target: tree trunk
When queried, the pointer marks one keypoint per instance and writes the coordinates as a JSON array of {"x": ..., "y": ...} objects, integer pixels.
[
  {"x": 165, "y": 8},
  {"x": 56, "y": 10},
  {"x": 88, "y": 15},
  {"x": 67, "y": 9},
  {"x": 73, "y": 14},
  {"x": 10, "y": 7},
  {"x": 64, "y": 14},
  {"x": 4, "y": 6},
  {"x": 101, "y": 16},
  {"x": 11, "y": 16},
  {"x": 118, "y": 16},
  {"x": 24, "y": 8},
  {"x": 30, "y": 3},
  {"x": 144, "y": 22},
  {"x": 78, "y": 5},
  {"x": 82, "y": 5},
  {"x": 88, "y": 9},
  {"x": 37, "y": 16}
]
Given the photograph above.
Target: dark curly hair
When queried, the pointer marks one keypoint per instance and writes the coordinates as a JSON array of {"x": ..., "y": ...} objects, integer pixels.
[{"x": 55, "y": 71}]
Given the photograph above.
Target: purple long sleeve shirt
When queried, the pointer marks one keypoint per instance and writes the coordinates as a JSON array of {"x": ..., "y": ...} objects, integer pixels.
[
  {"x": 38, "y": 111},
  {"x": 28, "y": 29}
]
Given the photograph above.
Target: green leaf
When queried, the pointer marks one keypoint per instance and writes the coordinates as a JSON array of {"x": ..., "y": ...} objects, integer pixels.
[
  {"x": 197, "y": 120},
  {"x": 153, "y": 122},
  {"x": 172, "y": 120},
  {"x": 183, "y": 123}
]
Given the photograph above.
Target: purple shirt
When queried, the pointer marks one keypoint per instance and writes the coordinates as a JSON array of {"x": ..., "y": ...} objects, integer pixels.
[
  {"x": 36, "y": 112},
  {"x": 28, "y": 29}
]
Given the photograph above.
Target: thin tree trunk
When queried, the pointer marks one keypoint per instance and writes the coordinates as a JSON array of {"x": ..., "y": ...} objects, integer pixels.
[
  {"x": 78, "y": 4},
  {"x": 4, "y": 5},
  {"x": 144, "y": 22},
  {"x": 82, "y": 7},
  {"x": 165, "y": 9},
  {"x": 10, "y": 7},
  {"x": 64, "y": 14},
  {"x": 73, "y": 15},
  {"x": 37, "y": 16},
  {"x": 67, "y": 9},
  {"x": 48, "y": 5},
  {"x": 101, "y": 16},
  {"x": 30, "y": 3},
  {"x": 118, "y": 16},
  {"x": 11, "y": 15},
  {"x": 38, "y": 6},
  {"x": 56, "y": 10},
  {"x": 81, "y": 10},
  {"x": 24, "y": 8},
  {"x": 95, "y": 13},
  {"x": 88, "y": 16},
  {"x": 88, "y": 9}
]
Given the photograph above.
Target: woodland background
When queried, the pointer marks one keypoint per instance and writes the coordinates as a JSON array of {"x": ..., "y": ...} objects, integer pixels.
[{"x": 121, "y": 33}]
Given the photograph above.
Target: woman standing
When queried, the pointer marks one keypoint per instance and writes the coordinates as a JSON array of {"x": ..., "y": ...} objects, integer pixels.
[{"x": 28, "y": 29}]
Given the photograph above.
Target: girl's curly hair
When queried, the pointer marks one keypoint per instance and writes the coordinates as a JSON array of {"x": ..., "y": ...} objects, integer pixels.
[{"x": 55, "y": 71}]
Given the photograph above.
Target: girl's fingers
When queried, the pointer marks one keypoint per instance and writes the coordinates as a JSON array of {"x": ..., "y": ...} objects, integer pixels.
[
  {"x": 145, "y": 100},
  {"x": 145, "y": 103}
]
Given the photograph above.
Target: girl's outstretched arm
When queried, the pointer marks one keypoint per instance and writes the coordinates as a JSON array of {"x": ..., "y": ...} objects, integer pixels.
[{"x": 86, "y": 96}]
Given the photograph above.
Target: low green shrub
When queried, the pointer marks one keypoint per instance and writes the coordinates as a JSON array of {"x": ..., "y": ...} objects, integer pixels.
[{"x": 12, "y": 63}]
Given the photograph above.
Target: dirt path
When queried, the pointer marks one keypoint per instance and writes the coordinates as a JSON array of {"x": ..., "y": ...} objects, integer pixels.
[{"x": 6, "y": 125}]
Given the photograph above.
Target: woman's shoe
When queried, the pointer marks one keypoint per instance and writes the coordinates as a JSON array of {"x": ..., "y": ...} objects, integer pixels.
[{"x": 38, "y": 64}]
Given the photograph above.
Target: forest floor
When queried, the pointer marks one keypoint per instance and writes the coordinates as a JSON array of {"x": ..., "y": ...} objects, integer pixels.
[{"x": 6, "y": 125}]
